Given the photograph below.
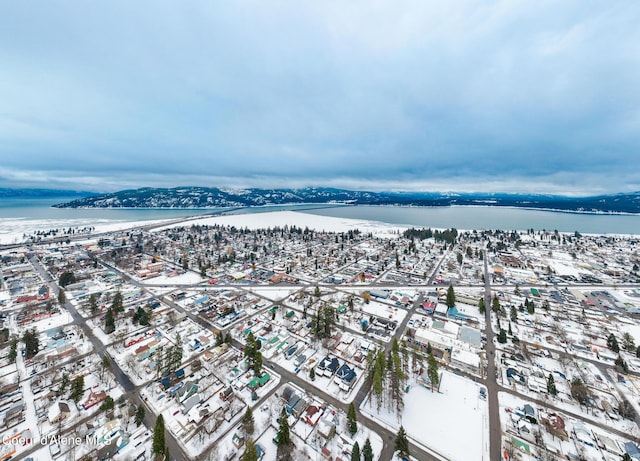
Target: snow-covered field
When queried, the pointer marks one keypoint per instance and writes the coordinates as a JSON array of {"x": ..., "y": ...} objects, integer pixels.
[
  {"x": 452, "y": 422},
  {"x": 14, "y": 230},
  {"x": 294, "y": 218}
]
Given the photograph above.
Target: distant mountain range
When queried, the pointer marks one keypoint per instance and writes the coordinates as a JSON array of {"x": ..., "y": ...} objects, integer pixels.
[
  {"x": 212, "y": 197},
  {"x": 42, "y": 193}
]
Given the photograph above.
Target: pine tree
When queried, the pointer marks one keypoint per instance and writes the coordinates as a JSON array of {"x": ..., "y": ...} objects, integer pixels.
[
  {"x": 367, "y": 451},
  {"x": 495, "y": 304},
  {"x": 139, "y": 416},
  {"x": 355, "y": 452},
  {"x": 257, "y": 363},
  {"x": 93, "y": 304},
  {"x": 451, "y": 297},
  {"x": 31, "y": 343},
  {"x": 432, "y": 371},
  {"x": 612, "y": 343},
  {"x": 250, "y": 451},
  {"x": 379, "y": 372},
  {"x": 284, "y": 437},
  {"x": 401, "y": 445},
  {"x": 158, "y": 446},
  {"x": 117, "y": 306},
  {"x": 551, "y": 385},
  {"x": 77, "y": 388},
  {"x": 109, "y": 322},
  {"x": 63, "y": 383},
  {"x": 531, "y": 307},
  {"x": 176, "y": 353},
  {"x": 502, "y": 336},
  {"x": 248, "y": 422},
  {"x": 513, "y": 313},
  {"x": 352, "y": 420},
  {"x": 628, "y": 341},
  {"x": 312, "y": 374},
  {"x": 481, "y": 307}
]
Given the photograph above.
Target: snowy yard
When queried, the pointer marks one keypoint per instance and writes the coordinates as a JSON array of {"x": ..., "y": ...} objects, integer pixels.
[{"x": 452, "y": 422}]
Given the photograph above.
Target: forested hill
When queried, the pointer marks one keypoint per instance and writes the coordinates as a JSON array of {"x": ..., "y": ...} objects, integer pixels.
[
  {"x": 212, "y": 197},
  {"x": 12, "y": 193}
]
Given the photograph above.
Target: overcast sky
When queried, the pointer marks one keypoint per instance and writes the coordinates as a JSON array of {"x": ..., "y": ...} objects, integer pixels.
[{"x": 514, "y": 96}]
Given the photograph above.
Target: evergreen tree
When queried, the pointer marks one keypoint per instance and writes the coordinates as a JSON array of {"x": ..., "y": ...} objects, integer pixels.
[
  {"x": 61, "y": 297},
  {"x": 117, "y": 306},
  {"x": 176, "y": 353},
  {"x": 352, "y": 420},
  {"x": 312, "y": 374},
  {"x": 257, "y": 363},
  {"x": 495, "y": 304},
  {"x": 109, "y": 322},
  {"x": 13, "y": 350},
  {"x": 531, "y": 307},
  {"x": 432, "y": 371},
  {"x": 612, "y": 343},
  {"x": 379, "y": 372},
  {"x": 93, "y": 304},
  {"x": 107, "y": 404},
  {"x": 63, "y": 383},
  {"x": 248, "y": 422},
  {"x": 250, "y": 349},
  {"x": 66, "y": 278},
  {"x": 621, "y": 364},
  {"x": 510, "y": 330},
  {"x": 513, "y": 313},
  {"x": 367, "y": 451},
  {"x": 355, "y": 452},
  {"x": 502, "y": 336},
  {"x": 451, "y": 297},
  {"x": 139, "y": 416},
  {"x": 401, "y": 445},
  {"x": 250, "y": 451},
  {"x": 284, "y": 437},
  {"x": 551, "y": 385},
  {"x": 158, "y": 446},
  {"x": 31, "y": 343},
  {"x": 481, "y": 307},
  {"x": 628, "y": 342},
  {"x": 77, "y": 388}
]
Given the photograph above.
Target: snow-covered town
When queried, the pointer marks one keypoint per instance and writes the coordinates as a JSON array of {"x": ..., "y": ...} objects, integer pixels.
[{"x": 303, "y": 337}]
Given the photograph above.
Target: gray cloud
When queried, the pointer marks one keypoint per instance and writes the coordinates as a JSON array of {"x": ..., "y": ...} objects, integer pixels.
[{"x": 419, "y": 95}]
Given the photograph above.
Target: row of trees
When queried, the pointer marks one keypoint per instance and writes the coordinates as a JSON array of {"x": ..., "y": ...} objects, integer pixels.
[
  {"x": 323, "y": 322},
  {"x": 31, "y": 345},
  {"x": 448, "y": 235},
  {"x": 116, "y": 308},
  {"x": 387, "y": 372},
  {"x": 171, "y": 358},
  {"x": 252, "y": 353},
  {"x": 76, "y": 390},
  {"x": 627, "y": 342}
]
